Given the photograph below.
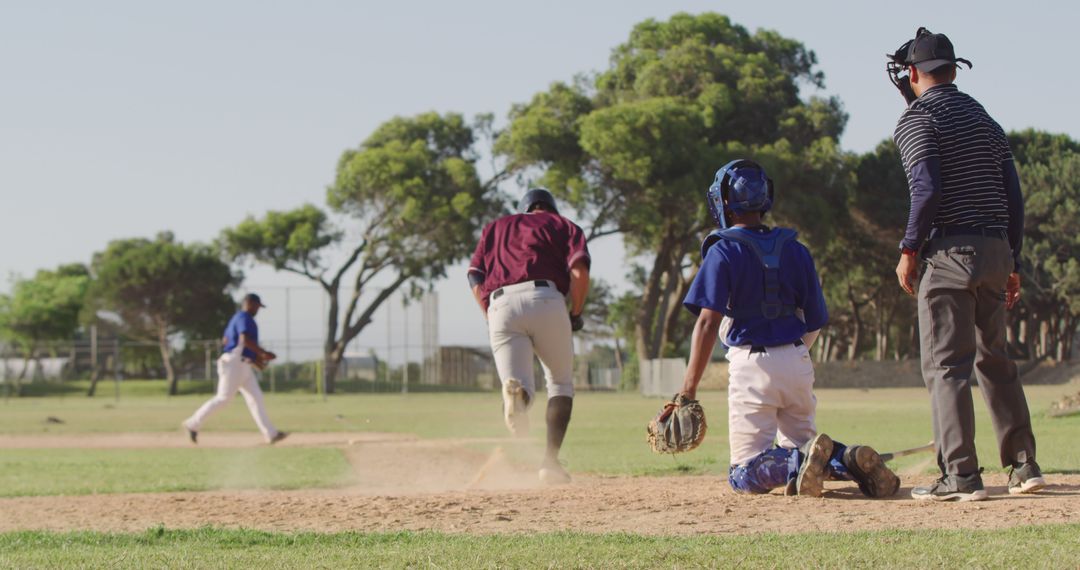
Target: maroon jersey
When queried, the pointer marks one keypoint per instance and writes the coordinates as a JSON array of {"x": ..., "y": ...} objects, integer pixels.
[{"x": 527, "y": 247}]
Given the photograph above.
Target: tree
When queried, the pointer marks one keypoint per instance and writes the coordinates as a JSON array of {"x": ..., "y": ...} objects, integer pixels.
[
  {"x": 1049, "y": 314},
  {"x": 856, "y": 265},
  {"x": 43, "y": 309},
  {"x": 162, "y": 291},
  {"x": 635, "y": 147},
  {"x": 412, "y": 201}
]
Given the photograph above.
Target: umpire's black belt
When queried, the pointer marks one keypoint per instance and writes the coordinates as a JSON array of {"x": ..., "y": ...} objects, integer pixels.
[
  {"x": 759, "y": 349},
  {"x": 946, "y": 231},
  {"x": 538, "y": 284}
]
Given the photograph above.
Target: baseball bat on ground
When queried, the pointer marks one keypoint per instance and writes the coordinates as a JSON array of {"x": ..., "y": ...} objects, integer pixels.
[{"x": 894, "y": 454}]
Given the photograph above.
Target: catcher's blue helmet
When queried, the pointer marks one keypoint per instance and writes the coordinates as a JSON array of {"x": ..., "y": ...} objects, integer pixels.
[
  {"x": 537, "y": 196},
  {"x": 740, "y": 186}
]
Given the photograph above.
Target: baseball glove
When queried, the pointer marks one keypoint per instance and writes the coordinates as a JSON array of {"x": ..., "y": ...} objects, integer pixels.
[
  {"x": 680, "y": 426},
  {"x": 259, "y": 364}
]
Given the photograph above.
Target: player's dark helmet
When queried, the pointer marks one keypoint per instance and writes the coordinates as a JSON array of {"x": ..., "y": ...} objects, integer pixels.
[
  {"x": 740, "y": 186},
  {"x": 534, "y": 197}
]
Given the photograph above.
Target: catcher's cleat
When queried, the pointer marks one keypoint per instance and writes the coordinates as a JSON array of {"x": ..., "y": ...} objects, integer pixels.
[
  {"x": 961, "y": 488},
  {"x": 192, "y": 434},
  {"x": 874, "y": 478},
  {"x": 815, "y": 466},
  {"x": 280, "y": 436},
  {"x": 1026, "y": 478},
  {"x": 553, "y": 473},
  {"x": 516, "y": 408}
]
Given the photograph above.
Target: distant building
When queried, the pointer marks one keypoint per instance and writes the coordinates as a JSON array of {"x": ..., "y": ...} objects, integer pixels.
[
  {"x": 359, "y": 367},
  {"x": 33, "y": 369},
  {"x": 467, "y": 366}
]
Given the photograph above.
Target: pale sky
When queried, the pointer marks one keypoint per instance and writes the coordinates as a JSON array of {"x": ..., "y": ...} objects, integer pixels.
[{"x": 122, "y": 119}]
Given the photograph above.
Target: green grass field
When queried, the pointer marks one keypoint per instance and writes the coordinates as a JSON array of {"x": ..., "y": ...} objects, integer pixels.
[
  {"x": 1052, "y": 546},
  {"x": 606, "y": 437},
  {"x": 92, "y": 471}
]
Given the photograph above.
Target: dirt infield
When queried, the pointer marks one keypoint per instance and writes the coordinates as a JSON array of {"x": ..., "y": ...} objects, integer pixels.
[
  {"x": 470, "y": 486},
  {"x": 661, "y": 506}
]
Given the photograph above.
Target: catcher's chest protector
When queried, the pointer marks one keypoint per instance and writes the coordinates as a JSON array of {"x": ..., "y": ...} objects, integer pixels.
[{"x": 767, "y": 249}]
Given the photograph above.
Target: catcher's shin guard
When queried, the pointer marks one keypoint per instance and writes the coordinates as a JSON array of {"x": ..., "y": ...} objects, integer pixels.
[
  {"x": 767, "y": 471},
  {"x": 838, "y": 471}
]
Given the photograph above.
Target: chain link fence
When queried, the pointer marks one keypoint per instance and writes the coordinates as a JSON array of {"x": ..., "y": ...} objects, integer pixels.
[{"x": 117, "y": 367}]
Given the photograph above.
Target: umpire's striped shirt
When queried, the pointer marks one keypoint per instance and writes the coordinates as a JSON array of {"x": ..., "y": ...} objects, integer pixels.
[{"x": 959, "y": 167}]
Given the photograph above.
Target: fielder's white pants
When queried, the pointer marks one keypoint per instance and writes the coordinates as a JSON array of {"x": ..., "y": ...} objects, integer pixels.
[
  {"x": 770, "y": 400},
  {"x": 235, "y": 375},
  {"x": 527, "y": 320}
]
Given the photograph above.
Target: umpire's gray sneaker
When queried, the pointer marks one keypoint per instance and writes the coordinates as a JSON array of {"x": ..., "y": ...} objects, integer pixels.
[
  {"x": 961, "y": 488},
  {"x": 1026, "y": 478},
  {"x": 814, "y": 469}
]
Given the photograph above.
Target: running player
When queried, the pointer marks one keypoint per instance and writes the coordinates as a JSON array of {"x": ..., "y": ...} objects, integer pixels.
[{"x": 236, "y": 372}]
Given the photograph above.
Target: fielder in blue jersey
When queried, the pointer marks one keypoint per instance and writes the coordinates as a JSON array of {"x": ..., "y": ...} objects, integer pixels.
[
  {"x": 236, "y": 373},
  {"x": 759, "y": 290}
]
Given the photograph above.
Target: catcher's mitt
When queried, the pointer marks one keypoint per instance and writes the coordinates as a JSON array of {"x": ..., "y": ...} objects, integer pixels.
[{"x": 680, "y": 426}]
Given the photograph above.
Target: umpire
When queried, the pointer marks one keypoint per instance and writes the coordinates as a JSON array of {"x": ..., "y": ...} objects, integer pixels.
[
  {"x": 966, "y": 225},
  {"x": 524, "y": 267}
]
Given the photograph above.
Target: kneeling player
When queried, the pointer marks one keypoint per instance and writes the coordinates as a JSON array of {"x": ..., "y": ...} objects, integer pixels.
[{"x": 759, "y": 285}]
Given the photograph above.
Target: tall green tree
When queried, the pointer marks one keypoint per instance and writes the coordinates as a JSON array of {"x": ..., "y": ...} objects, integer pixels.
[
  {"x": 1045, "y": 326},
  {"x": 43, "y": 309},
  {"x": 162, "y": 291},
  {"x": 410, "y": 202},
  {"x": 635, "y": 147},
  {"x": 857, "y": 264}
]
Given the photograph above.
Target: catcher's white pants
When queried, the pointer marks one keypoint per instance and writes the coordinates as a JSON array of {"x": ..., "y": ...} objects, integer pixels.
[
  {"x": 527, "y": 320},
  {"x": 770, "y": 400},
  {"x": 235, "y": 375}
]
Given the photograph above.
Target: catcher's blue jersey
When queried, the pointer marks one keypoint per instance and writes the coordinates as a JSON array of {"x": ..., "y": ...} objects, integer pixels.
[{"x": 732, "y": 277}]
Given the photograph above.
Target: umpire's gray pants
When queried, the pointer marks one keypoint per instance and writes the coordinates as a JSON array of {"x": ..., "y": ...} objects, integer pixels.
[{"x": 962, "y": 326}]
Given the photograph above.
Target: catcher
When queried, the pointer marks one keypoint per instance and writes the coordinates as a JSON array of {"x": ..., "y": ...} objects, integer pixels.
[
  {"x": 759, "y": 286},
  {"x": 236, "y": 372}
]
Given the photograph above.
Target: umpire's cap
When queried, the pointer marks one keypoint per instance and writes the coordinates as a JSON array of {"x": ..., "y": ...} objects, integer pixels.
[
  {"x": 929, "y": 51},
  {"x": 254, "y": 299},
  {"x": 537, "y": 196}
]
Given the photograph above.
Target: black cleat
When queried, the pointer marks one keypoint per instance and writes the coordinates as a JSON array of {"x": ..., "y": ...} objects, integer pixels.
[
  {"x": 1026, "y": 478},
  {"x": 815, "y": 466},
  {"x": 280, "y": 436},
  {"x": 960, "y": 488},
  {"x": 874, "y": 478},
  {"x": 192, "y": 434}
]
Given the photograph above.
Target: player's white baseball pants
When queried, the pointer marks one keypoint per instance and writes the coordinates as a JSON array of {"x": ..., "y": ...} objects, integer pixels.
[
  {"x": 527, "y": 320},
  {"x": 235, "y": 375},
  {"x": 770, "y": 400}
]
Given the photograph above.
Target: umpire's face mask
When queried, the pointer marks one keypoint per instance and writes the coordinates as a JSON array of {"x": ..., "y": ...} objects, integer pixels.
[{"x": 897, "y": 70}]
